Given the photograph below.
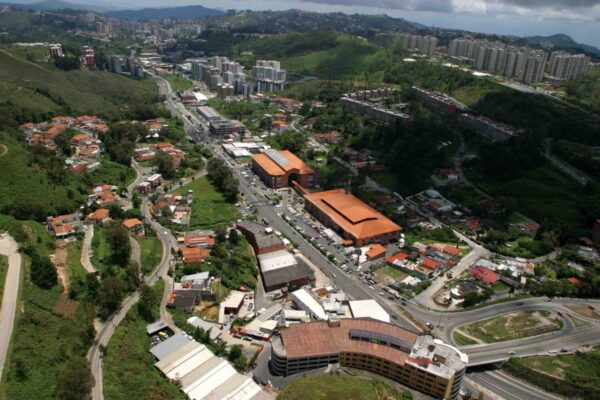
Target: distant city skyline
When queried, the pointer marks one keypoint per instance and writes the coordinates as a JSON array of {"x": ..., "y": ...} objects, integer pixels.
[{"x": 579, "y": 19}]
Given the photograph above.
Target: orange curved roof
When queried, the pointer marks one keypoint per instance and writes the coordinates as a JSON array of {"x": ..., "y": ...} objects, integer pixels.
[
  {"x": 290, "y": 163},
  {"x": 351, "y": 214}
]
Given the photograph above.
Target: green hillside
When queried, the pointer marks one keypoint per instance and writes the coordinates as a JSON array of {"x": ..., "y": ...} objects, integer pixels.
[
  {"x": 30, "y": 91},
  {"x": 350, "y": 57}
]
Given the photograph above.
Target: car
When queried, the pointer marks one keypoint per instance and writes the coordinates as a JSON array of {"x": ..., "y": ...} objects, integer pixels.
[
  {"x": 429, "y": 325},
  {"x": 520, "y": 303},
  {"x": 564, "y": 350},
  {"x": 552, "y": 351},
  {"x": 591, "y": 307},
  {"x": 510, "y": 352},
  {"x": 254, "y": 365}
]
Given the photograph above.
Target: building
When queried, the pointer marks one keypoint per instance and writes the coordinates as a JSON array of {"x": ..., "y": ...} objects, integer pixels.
[
  {"x": 100, "y": 216},
  {"x": 302, "y": 299},
  {"x": 280, "y": 269},
  {"x": 64, "y": 226},
  {"x": 261, "y": 239},
  {"x": 280, "y": 168},
  {"x": 423, "y": 44},
  {"x": 484, "y": 275},
  {"x": 269, "y": 76},
  {"x": 375, "y": 111},
  {"x": 566, "y": 66},
  {"x": 368, "y": 309},
  {"x": 417, "y": 361},
  {"x": 202, "y": 375},
  {"x": 438, "y": 102},
  {"x": 134, "y": 226},
  {"x": 56, "y": 50},
  {"x": 375, "y": 252},
  {"x": 493, "y": 130},
  {"x": 351, "y": 218}
]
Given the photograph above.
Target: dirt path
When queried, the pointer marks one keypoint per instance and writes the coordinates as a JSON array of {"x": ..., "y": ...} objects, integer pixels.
[
  {"x": 465, "y": 334},
  {"x": 3, "y": 150}
]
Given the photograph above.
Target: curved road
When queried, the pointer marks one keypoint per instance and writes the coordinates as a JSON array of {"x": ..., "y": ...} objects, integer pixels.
[{"x": 10, "y": 296}]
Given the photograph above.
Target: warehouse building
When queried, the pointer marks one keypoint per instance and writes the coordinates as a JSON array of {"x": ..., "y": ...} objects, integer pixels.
[
  {"x": 351, "y": 218},
  {"x": 417, "y": 361},
  {"x": 280, "y": 269},
  {"x": 280, "y": 168},
  {"x": 202, "y": 375}
]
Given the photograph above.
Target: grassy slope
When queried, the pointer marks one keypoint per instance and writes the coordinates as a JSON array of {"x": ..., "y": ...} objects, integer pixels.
[
  {"x": 349, "y": 58},
  {"x": 179, "y": 83},
  {"x": 35, "y": 88},
  {"x": 209, "y": 207},
  {"x": 586, "y": 92},
  {"x": 129, "y": 371},
  {"x": 151, "y": 252},
  {"x": 27, "y": 185},
  {"x": 339, "y": 387}
]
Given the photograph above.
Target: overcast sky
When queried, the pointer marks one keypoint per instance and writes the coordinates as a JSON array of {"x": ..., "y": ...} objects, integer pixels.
[{"x": 577, "y": 18}]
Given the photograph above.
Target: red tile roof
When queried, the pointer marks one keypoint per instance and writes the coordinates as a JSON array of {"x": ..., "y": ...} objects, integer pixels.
[
  {"x": 429, "y": 263},
  {"x": 398, "y": 256},
  {"x": 484, "y": 274},
  {"x": 376, "y": 251},
  {"x": 130, "y": 223}
]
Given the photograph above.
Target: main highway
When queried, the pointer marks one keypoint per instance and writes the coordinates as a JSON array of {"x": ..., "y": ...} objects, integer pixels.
[{"x": 412, "y": 315}]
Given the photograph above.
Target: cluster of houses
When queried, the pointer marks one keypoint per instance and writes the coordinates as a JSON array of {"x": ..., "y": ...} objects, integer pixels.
[
  {"x": 424, "y": 261},
  {"x": 154, "y": 127},
  {"x": 177, "y": 207},
  {"x": 85, "y": 142},
  {"x": 149, "y": 152},
  {"x": 361, "y": 161},
  {"x": 195, "y": 246},
  {"x": 151, "y": 183},
  {"x": 103, "y": 195}
]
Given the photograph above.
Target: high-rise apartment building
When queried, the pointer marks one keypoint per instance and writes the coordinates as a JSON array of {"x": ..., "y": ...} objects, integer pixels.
[
  {"x": 566, "y": 66},
  {"x": 269, "y": 76},
  {"x": 424, "y": 44}
]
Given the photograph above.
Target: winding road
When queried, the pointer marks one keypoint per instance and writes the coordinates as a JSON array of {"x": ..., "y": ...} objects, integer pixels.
[{"x": 10, "y": 296}]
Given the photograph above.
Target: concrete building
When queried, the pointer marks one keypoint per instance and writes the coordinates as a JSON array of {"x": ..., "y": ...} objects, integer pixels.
[
  {"x": 269, "y": 76},
  {"x": 438, "y": 102},
  {"x": 56, "y": 50},
  {"x": 261, "y": 240},
  {"x": 566, "y": 66},
  {"x": 493, "y": 130},
  {"x": 368, "y": 309},
  {"x": 280, "y": 269},
  {"x": 303, "y": 299},
  {"x": 417, "y": 361},
  {"x": 280, "y": 168},
  {"x": 351, "y": 218},
  {"x": 423, "y": 44},
  {"x": 354, "y": 102}
]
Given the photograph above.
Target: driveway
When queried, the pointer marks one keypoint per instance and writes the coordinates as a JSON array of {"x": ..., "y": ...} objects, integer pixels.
[{"x": 9, "y": 248}]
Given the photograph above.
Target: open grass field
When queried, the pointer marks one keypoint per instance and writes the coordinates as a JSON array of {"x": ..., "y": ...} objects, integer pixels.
[
  {"x": 37, "y": 89},
  {"x": 152, "y": 251},
  {"x": 179, "y": 83},
  {"x": 209, "y": 208},
  {"x": 335, "y": 62},
  {"x": 387, "y": 275},
  {"x": 513, "y": 326},
  {"x": 462, "y": 340},
  {"x": 544, "y": 194},
  {"x": 112, "y": 173},
  {"x": 3, "y": 271},
  {"x": 325, "y": 387},
  {"x": 100, "y": 248},
  {"x": 583, "y": 310},
  {"x": 129, "y": 371}
]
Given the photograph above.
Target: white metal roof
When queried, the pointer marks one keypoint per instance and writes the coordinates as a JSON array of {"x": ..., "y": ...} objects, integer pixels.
[
  {"x": 172, "y": 360},
  {"x": 189, "y": 363},
  {"x": 309, "y": 303},
  {"x": 275, "y": 260},
  {"x": 368, "y": 309},
  {"x": 234, "y": 300},
  {"x": 212, "y": 381}
]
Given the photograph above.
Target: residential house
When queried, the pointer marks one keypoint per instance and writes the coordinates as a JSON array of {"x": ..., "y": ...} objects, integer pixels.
[
  {"x": 64, "y": 226},
  {"x": 134, "y": 226}
]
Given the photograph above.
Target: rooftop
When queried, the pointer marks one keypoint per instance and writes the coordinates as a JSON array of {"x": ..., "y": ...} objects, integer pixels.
[
  {"x": 351, "y": 214},
  {"x": 281, "y": 162},
  {"x": 368, "y": 309}
]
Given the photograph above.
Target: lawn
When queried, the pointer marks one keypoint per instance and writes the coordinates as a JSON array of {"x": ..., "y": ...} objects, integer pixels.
[
  {"x": 179, "y": 82},
  {"x": 209, "y": 208},
  {"x": 514, "y": 326},
  {"x": 100, "y": 249},
  {"x": 3, "y": 271},
  {"x": 152, "y": 251},
  {"x": 129, "y": 371},
  {"x": 112, "y": 173},
  {"x": 325, "y": 387},
  {"x": 389, "y": 274},
  {"x": 544, "y": 194},
  {"x": 583, "y": 310},
  {"x": 76, "y": 270}
]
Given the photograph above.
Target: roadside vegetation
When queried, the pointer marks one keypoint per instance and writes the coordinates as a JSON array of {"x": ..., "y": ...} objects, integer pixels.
[
  {"x": 573, "y": 376},
  {"x": 179, "y": 82},
  {"x": 324, "y": 387},
  {"x": 152, "y": 251}
]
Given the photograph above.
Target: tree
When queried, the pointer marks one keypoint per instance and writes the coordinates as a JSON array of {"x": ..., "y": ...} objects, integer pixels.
[
  {"x": 234, "y": 237},
  {"x": 164, "y": 165},
  {"x": 109, "y": 296},
  {"x": 235, "y": 352},
  {"x": 75, "y": 380},
  {"x": 470, "y": 299},
  {"x": 42, "y": 272},
  {"x": 117, "y": 237},
  {"x": 148, "y": 302}
]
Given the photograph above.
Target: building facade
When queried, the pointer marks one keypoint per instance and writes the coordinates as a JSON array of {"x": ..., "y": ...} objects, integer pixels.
[{"x": 279, "y": 169}]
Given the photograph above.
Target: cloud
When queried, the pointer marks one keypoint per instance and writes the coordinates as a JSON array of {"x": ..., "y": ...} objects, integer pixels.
[{"x": 583, "y": 10}]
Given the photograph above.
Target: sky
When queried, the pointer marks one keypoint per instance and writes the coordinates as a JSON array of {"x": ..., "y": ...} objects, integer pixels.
[{"x": 579, "y": 19}]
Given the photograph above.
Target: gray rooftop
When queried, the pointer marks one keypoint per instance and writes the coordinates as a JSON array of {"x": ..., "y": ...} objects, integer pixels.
[
  {"x": 288, "y": 274},
  {"x": 165, "y": 348}
]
